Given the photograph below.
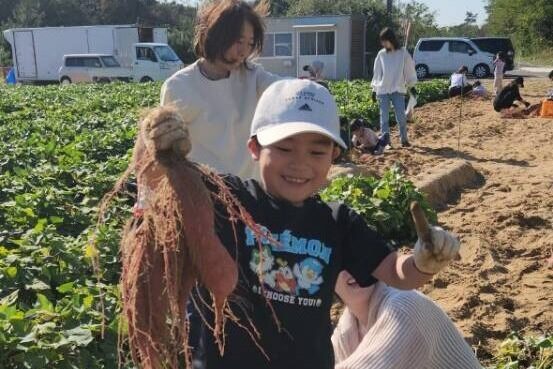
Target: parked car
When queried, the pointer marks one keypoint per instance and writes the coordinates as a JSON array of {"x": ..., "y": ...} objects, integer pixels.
[
  {"x": 443, "y": 55},
  {"x": 496, "y": 44},
  {"x": 38, "y": 52},
  {"x": 92, "y": 68}
]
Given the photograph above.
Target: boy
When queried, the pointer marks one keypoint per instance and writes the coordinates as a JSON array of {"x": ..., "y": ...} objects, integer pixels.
[{"x": 295, "y": 136}]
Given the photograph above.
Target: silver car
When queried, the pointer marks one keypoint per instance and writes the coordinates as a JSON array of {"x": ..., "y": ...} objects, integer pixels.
[{"x": 92, "y": 68}]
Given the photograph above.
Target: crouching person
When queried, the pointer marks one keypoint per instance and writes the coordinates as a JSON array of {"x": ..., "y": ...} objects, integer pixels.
[{"x": 383, "y": 327}]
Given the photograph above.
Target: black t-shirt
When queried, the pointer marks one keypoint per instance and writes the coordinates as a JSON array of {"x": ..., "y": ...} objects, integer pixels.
[
  {"x": 506, "y": 97},
  {"x": 315, "y": 242}
]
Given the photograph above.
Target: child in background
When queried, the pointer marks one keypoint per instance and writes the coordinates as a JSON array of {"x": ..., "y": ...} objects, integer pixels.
[
  {"x": 499, "y": 70},
  {"x": 478, "y": 90},
  {"x": 363, "y": 138}
]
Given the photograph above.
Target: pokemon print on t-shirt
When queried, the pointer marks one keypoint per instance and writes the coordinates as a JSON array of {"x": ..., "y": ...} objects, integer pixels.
[{"x": 290, "y": 267}]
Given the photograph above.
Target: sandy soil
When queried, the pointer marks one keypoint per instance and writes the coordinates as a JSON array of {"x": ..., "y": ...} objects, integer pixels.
[{"x": 505, "y": 224}]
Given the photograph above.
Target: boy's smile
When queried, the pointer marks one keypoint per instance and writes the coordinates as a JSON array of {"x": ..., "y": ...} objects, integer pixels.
[{"x": 295, "y": 168}]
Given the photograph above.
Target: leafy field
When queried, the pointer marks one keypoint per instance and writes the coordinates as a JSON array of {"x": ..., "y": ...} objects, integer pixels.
[
  {"x": 354, "y": 97},
  {"x": 63, "y": 148}
]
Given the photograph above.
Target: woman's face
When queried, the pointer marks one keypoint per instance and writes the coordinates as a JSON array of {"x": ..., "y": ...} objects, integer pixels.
[
  {"x": 387, "y": 44},
  {"x": 350, "y": 292},
  {"x": 241, "y": 50}
]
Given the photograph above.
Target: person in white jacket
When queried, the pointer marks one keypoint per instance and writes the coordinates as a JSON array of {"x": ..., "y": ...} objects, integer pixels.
[
  {"x": 219, "y": 92},
  {"x": 383, "y": 328},
  {"x": 394, "y": 73}
]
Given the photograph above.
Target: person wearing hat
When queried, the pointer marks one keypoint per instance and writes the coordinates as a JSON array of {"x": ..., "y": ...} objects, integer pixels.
[
  {"x": 505, "y": 99},
  {"x": 286, "y": 286}
]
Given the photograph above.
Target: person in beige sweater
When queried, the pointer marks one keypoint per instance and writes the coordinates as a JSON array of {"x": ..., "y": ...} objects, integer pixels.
[{"x": 383, "y": 328}]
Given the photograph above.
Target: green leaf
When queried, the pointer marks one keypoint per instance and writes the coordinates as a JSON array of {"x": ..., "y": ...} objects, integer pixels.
[
  {"x": 66, "y": 287},
  {"x": 37, "y": 285},
  {"x": 11, "y": 272},
  {"x": 39, "y": 227},
  {"x": 79, "y": 336},
  {"x": 44, "y": 303},
  {"x": 55, "y": 220}
]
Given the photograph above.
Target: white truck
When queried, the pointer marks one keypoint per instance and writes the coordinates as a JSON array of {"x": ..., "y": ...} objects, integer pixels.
[{"x": 38, "y": 53}]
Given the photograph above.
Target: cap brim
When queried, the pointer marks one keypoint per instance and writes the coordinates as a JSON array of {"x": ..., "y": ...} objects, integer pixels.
[{"x": 272, "y": 135}]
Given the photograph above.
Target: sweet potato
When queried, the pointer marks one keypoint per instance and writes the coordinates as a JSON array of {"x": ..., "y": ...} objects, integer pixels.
[{"x": 173, "y": 244}]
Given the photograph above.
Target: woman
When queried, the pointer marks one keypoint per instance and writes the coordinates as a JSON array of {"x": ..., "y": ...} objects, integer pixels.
[
  {"x": 218, "y": 93},
  {"x": 394, "y": 72},
  {"x": 459, "y": 85},
  {"x": 383, "y": 328}
]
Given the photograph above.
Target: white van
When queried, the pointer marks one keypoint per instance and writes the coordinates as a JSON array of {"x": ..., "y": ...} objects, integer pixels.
[
  {"x": 92, "y": 68},
  {"x": 150, "y": 62},
  {"x": 441, "y": 55}
]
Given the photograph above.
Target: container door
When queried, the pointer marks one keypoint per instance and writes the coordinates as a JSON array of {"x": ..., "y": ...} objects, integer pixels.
[
  {"x": 25, "y": 54},
  {"x": 100, "y": 40},
  {"x": 125, "y": 38}
]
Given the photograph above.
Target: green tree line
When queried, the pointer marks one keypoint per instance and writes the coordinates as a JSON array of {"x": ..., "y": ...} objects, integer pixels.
[{"x": 528, "y": 22}]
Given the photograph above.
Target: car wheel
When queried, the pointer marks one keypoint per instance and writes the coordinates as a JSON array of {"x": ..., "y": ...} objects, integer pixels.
[
  {"x": 422, "y": 71},
  {"x": 146, "y": 79},
  {"x": 481, "y": 71},
  {"x": 65, "y": 81}
]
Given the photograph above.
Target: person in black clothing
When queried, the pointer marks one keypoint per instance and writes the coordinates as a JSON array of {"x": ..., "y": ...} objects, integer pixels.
[
  {"x": 505, "y": 99},
  {"x": 286, "y": 289}
]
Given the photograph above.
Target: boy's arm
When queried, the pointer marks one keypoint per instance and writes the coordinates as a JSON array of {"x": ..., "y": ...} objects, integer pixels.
[{"x": 399, "y": 271}]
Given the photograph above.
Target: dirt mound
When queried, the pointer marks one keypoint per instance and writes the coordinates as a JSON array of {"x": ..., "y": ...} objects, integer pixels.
[{"x": 505, "y": 223}]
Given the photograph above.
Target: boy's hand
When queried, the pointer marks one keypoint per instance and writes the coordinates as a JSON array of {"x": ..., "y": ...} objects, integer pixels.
[
  {"x": 168, "y": 131},
  {"x": 435, "y": 247}
]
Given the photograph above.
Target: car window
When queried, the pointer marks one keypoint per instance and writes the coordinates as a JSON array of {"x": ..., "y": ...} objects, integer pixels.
[
  {"x": 110, "y": 62},
  {"x": 145, "y": 53},
  {"x": 167, "y": 54},
  {"x": 92, "y": 63},
  {"x": 460, "y": 47},
  {"x": 74, "y": 62},
  {"x": 493, "y": 45},
  {"x": 431, "y": 45}
]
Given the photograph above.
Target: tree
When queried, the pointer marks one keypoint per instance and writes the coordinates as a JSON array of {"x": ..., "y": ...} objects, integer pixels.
[
  {"x": 470, "y": 18},
  {"x": 528, "y": 22}
]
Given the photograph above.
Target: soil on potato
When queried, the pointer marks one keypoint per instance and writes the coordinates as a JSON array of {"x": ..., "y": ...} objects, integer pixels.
[{"x": 502, "y": 282}]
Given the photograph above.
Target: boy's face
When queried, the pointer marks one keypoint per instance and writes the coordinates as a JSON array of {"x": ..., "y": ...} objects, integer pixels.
[{"x": 295, "y": 168}]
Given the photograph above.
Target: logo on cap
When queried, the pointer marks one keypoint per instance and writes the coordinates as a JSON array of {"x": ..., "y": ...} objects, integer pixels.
[{"x": 305, "y": 107}]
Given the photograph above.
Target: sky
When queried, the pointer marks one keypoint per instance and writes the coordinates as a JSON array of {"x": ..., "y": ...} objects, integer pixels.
[
  {"x": 448, "y": 12},
  {"x": 452, "y": 12}
]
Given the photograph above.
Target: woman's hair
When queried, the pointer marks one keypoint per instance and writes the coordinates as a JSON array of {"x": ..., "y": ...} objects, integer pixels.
[
  {"x": 463, "y": 69},
  {"x": 551, "y": 75},
  {"x": 219, "y": 25},
  {"x": 388, "y": 35},
  {"x": 356, "y": 124},
  {"x": 501, "y": 55}
]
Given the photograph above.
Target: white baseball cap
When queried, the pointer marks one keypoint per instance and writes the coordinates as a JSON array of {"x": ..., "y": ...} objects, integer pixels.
[{"x": 292, "y": 106}]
